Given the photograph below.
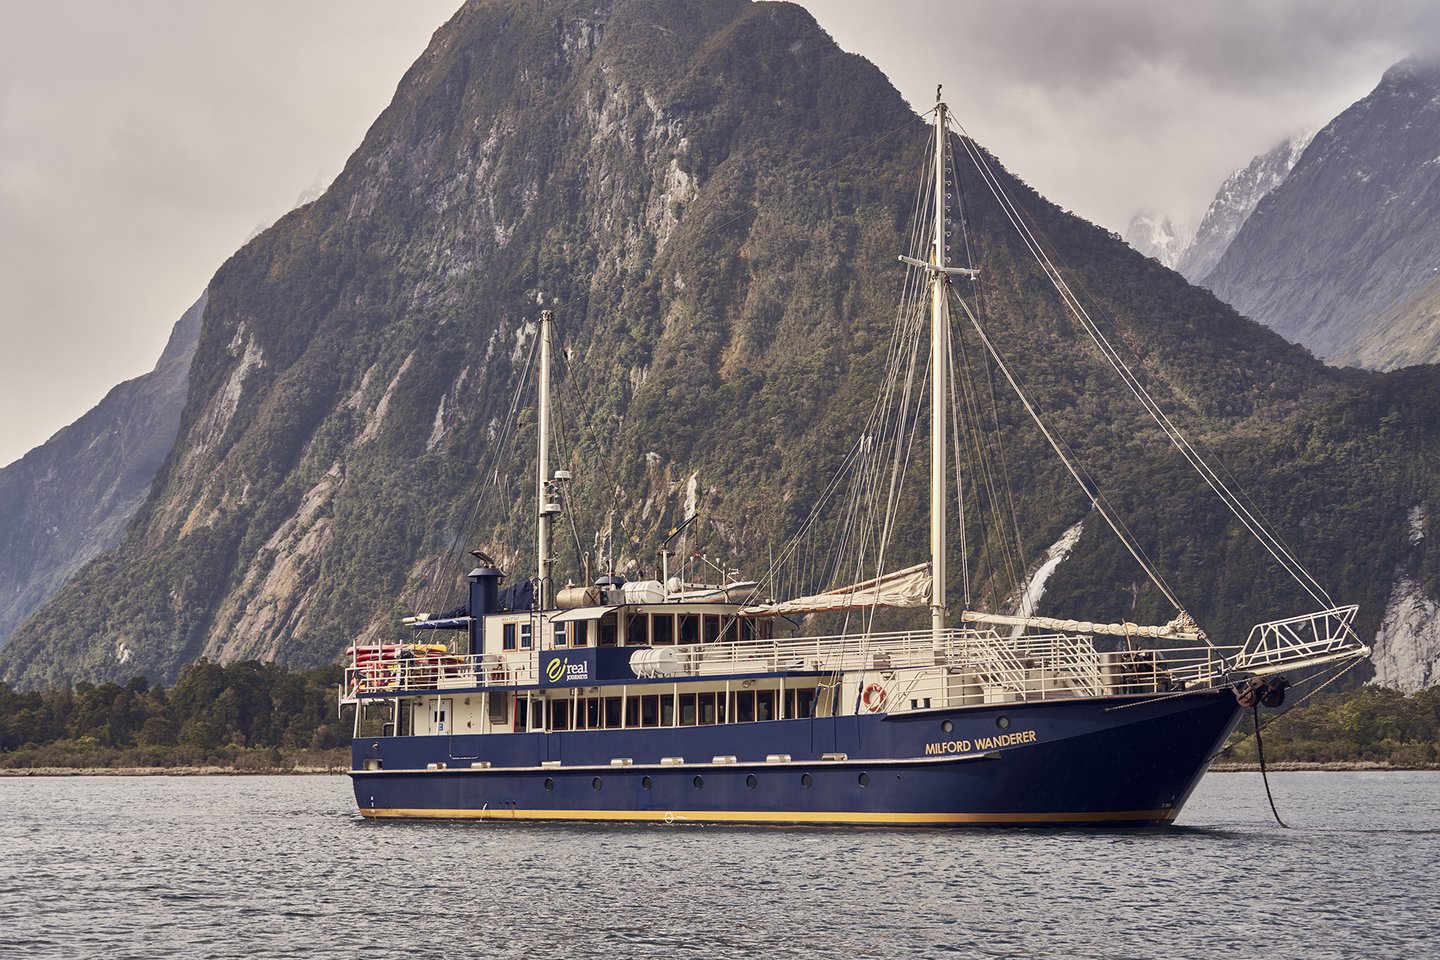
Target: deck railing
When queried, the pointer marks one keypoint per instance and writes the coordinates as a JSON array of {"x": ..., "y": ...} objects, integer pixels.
[{"x": 963, "y": 665}]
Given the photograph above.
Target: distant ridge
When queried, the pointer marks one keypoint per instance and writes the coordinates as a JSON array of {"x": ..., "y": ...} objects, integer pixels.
[
  {"x": 71, "y": 498},
  {"x": 1338, "y": 256}
]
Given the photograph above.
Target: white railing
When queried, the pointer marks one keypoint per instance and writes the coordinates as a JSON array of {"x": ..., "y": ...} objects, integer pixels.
[
  {"x": 1306, "y": 640},
  {"x": 966, "y": 664}
]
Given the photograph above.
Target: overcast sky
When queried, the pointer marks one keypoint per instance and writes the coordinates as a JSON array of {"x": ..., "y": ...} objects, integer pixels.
[{"x": 142, "y": 141}]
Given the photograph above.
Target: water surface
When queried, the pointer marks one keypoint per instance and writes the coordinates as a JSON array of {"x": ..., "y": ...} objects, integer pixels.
[{"x": 283, "y": 867}]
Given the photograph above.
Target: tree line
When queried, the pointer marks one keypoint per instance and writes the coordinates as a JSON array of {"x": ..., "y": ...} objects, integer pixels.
[
  {"x": 253, "y": 716},
  {"x": 245, "y": 715},
  {"x": 1368, "y": 725}
]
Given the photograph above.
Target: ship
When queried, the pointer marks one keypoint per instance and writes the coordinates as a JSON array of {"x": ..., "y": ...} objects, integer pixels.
[{"x": 666, "y": 700}]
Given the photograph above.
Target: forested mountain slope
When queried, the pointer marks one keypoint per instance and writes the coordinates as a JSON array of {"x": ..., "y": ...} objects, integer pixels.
[{"x": 711, "y": 195}]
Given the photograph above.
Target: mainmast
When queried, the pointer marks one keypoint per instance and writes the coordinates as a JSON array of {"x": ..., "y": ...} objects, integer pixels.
[
  {"x": 544, "y": 509},
  {"x": 940, "y": 274},
  {"x": 939, "y": 365}
]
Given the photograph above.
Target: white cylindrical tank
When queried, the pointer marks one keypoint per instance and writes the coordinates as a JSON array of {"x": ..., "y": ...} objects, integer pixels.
[{"x": 644, "y": 591}]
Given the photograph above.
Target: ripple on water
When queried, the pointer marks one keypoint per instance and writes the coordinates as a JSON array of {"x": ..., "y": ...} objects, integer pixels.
[{"x": 282, "y": 867}]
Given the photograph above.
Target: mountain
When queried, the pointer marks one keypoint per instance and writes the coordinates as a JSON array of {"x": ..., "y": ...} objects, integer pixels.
[
  {"x": 1156, "y": 236},
  {"x": 1234, "y": 202},
  {"x": 711, "y": 196},
  {"x": 71, "y": 498},
  {"x": 1331, "y": 255}
]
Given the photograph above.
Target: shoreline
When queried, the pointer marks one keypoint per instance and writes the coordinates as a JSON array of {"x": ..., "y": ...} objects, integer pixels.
[{"x": 1331, "y": 766}]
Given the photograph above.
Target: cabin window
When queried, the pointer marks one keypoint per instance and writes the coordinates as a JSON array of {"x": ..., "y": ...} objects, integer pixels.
[
  {"x": 800, "y": 704},
  {"x": 580, "y": 633},
  {"x": 612, "y": 713},
  {"x": 689, "y": 628},
  {"x": 764, "y": 704},
  {"x": 747, "y": 629},
  {"x": 560, "y": 715},
  {"x": 607, "y": 631},
  {"x": 707, "y": 708},
  {"x": 632, "y": 712},
  {"x": 687, "y": 709},
  {"x": 729, "y": 633},
  {"x": 649, "y": 711},
  {"x": 537, "y": 715},
  {"x": 662, "y": 628},
  {"x": 744, "y": 710},
  {"x": 507, "y": 636},
  {"x": 519, "y": 715},
  {"x": 525, "y": 636},
  {"x": 667, "y": 711},
  {"x": 592, "y": 713},
  {"x": 560, "y": 635},
  {"x": 711, "y": 632}
]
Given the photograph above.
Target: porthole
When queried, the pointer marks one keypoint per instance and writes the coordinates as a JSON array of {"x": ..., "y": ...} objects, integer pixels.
[
  {"x": 1002, "y": 722},
  {"x": 549, "y": 783},
  {"x": 699, "y": 782},
  {"x": 864, "y": 779},
  {"x": 751, "y": 782},
  {"x": 948, "y": 727},
  {"x": 805, "y": 780},
  {"x": 595, "y": 783},
  {"x": 646, "y": 783}
]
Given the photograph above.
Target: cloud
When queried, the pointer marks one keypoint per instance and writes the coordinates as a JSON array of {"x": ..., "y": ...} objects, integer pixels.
[
  {"x": 140, "y": 142},
  {"x": 1109, "y": 106}
]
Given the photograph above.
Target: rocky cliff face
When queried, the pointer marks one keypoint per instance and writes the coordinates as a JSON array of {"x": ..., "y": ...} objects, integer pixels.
[
  {"x": 711, "y": 196},
  {"x": 72, "y": 497},
  {"x": 1352, "y": 233},
  {"x": 1234, "y": 202}
]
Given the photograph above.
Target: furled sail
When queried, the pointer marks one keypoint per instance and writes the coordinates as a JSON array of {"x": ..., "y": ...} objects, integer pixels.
[
  {"x": 1181, "y": 628},
  {"x": 902, "y": 588}
]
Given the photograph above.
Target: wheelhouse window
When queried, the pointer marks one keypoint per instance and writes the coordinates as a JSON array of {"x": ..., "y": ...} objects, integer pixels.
[
  {"x": 580, "y": 633},
  {"x": 560, "y": 634},
  {"x": 507, "y": 636},
  {"x": 525, "y": 636},
  {"x": 608, "y": 631}
]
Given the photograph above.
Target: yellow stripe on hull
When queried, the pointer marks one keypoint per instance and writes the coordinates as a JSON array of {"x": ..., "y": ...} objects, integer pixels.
[{"x": 772, "y": 816}]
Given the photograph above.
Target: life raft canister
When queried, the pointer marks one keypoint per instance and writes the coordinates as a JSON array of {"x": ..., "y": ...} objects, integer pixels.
[{"x": 873, "y": 698}]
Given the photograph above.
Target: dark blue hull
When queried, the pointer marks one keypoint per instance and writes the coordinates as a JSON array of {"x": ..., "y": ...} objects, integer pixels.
[{"x": 1111, "y": 760}]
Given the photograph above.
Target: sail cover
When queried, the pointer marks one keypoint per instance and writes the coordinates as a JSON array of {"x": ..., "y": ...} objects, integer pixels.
[
  {"x": 903, "y": 588},
  {"x": 1181, "y": 628}
]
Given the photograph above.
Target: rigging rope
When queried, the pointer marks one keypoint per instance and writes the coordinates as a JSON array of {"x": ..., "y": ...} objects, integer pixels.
[{"x": 1259, "y": 529}]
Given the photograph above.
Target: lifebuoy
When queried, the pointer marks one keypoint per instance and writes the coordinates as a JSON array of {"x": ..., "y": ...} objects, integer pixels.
[{"x": 873, "y": 698}]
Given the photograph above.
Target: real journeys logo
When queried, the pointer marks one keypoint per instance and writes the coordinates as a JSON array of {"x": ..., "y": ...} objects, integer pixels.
[{"x": 560, "y": 668}]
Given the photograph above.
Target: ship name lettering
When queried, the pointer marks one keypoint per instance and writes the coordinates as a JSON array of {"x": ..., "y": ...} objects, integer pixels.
[{"x": 942, "y": 747}]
